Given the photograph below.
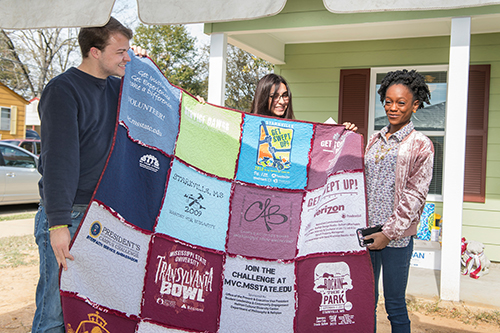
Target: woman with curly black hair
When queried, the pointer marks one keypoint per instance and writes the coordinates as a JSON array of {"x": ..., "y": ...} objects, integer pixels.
[{"x": 398, "y": 167}]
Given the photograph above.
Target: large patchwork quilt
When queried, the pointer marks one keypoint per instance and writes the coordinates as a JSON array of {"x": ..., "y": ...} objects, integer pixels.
[{"x": 207, "y": 219}]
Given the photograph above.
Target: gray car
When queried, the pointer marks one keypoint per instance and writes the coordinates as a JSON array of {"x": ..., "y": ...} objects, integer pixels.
[
  {"x": 18, "y": 175},
  {"x": 31, "y": 145}
]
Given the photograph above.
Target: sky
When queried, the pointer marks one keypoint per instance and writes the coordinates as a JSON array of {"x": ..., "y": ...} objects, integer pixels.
[{"x": 125, "y": 11}]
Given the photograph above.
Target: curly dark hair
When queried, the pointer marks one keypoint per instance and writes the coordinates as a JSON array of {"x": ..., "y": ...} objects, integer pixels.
[{"x": 414, "y": 81}]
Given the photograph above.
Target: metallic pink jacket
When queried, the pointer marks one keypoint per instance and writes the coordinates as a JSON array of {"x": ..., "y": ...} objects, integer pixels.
[{"x": 413, "y": 176}]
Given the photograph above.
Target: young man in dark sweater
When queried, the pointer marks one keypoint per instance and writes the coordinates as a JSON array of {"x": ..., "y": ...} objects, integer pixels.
[{"x": 78, "y": 111}]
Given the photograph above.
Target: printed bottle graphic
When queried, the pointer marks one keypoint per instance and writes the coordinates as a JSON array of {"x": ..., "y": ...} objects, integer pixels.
[
  {"x": 332, "y": 281},
  {"x": 275, "y": 147}
]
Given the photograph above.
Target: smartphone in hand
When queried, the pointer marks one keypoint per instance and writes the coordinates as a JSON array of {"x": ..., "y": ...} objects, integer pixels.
[{"x": 362, "y": 232}]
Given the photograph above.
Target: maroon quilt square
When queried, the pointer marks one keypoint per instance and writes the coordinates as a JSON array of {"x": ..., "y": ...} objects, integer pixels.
[
  {"x": 182, "y": 287},
  {"x": 336, "y": 293},
  {"x": 334, "y": 149},
  {"x": 264, "y": 223},
  {"x": 84, "y": 316}
]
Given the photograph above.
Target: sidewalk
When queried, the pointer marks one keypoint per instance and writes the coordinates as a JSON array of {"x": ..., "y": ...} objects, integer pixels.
[
  {"x": 17, "y": 227},
  {"x": 423, "y": 283}
]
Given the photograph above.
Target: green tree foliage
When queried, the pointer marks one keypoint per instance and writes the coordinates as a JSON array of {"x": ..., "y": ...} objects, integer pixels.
[
  {"x": 173, "y": 50},
  {"x": 243, "y": 72}
]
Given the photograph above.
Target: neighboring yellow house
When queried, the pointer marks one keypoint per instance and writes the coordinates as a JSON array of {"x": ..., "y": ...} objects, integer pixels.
[{"x": 12, "y": 114}]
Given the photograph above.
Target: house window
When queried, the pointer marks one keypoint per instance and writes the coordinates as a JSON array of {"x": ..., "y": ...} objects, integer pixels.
[
  {"x": 430, "y": 120},
  {"x": 4, "y": 119},
  {"x": 358, "y": 100}
]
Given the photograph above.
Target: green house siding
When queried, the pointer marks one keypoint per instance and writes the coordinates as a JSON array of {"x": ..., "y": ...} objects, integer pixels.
[
  {"x": 312, "y": 13},
  {"x": 313, "y": 72},
  {"x": 316, "y": 67}
]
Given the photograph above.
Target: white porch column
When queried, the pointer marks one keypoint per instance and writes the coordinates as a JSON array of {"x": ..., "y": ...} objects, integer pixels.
[
  {"x": 454, "y": 157},
  {"x": 217, "y": 68}
]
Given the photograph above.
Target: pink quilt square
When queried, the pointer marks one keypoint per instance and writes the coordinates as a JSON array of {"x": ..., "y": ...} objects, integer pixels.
[
  {"x": 85, "y": 316},
  {"x": 264, "y": 223},
  {"x": 182, "y": 287},
  {"x": 334, "y": 149},
  {"x": 336, "y": 294}
]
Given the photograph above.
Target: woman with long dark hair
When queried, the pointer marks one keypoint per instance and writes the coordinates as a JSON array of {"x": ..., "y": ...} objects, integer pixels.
[{"x": 273, "y": 97}]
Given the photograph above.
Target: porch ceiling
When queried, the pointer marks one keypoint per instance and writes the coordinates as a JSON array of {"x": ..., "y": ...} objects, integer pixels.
[
  {"x": 29, "y": 14},
  {"x": 270, "y": 44}
]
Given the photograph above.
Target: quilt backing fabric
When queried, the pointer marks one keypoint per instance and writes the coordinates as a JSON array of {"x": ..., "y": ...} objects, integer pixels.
[{"x": 213, "y": 220}]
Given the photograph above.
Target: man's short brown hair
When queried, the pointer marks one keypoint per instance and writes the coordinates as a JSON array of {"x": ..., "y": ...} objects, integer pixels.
[{"x": 98, "y": 37}]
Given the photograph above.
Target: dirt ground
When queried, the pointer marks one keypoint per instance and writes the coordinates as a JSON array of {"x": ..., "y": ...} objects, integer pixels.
[
  {"x": 18, "y": 285},
  {"x": 17, "y": 298}
]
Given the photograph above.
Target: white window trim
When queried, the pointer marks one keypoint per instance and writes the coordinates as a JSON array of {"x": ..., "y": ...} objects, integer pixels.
[{"x": 374, "y": 99}]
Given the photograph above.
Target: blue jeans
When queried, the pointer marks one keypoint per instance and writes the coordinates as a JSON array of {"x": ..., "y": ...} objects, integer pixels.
[
  {"x": 396, "y": 266},
  {"x": 48, "y": 314}
]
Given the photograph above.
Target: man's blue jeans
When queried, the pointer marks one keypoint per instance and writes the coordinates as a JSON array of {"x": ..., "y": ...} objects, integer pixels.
[
  {"x": 396, "y": 265},
  {"x": 48, "y": 314}
]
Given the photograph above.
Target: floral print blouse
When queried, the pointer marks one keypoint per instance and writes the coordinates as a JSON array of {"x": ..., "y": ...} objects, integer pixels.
[{"x": 380, "y": 166}]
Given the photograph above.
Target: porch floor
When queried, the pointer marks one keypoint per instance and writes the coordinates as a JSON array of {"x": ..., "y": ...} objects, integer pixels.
[{"x": 483, "y": 292}]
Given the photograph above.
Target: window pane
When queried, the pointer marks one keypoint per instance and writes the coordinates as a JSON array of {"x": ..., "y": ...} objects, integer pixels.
[
  {"x": 431, "y": 117},
  {"x": 437, "y": 175},
  {"x": 28, "y": 146},
  {"x": 430, "y": 120},
  {"x": 5, "y": 119},
  {"x": 16, "y": 158}
]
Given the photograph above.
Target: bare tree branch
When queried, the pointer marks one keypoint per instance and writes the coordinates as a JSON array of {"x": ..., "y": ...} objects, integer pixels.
[
  {"x": 48, "y": 52},
  {"x": 24, "y": 69}
]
